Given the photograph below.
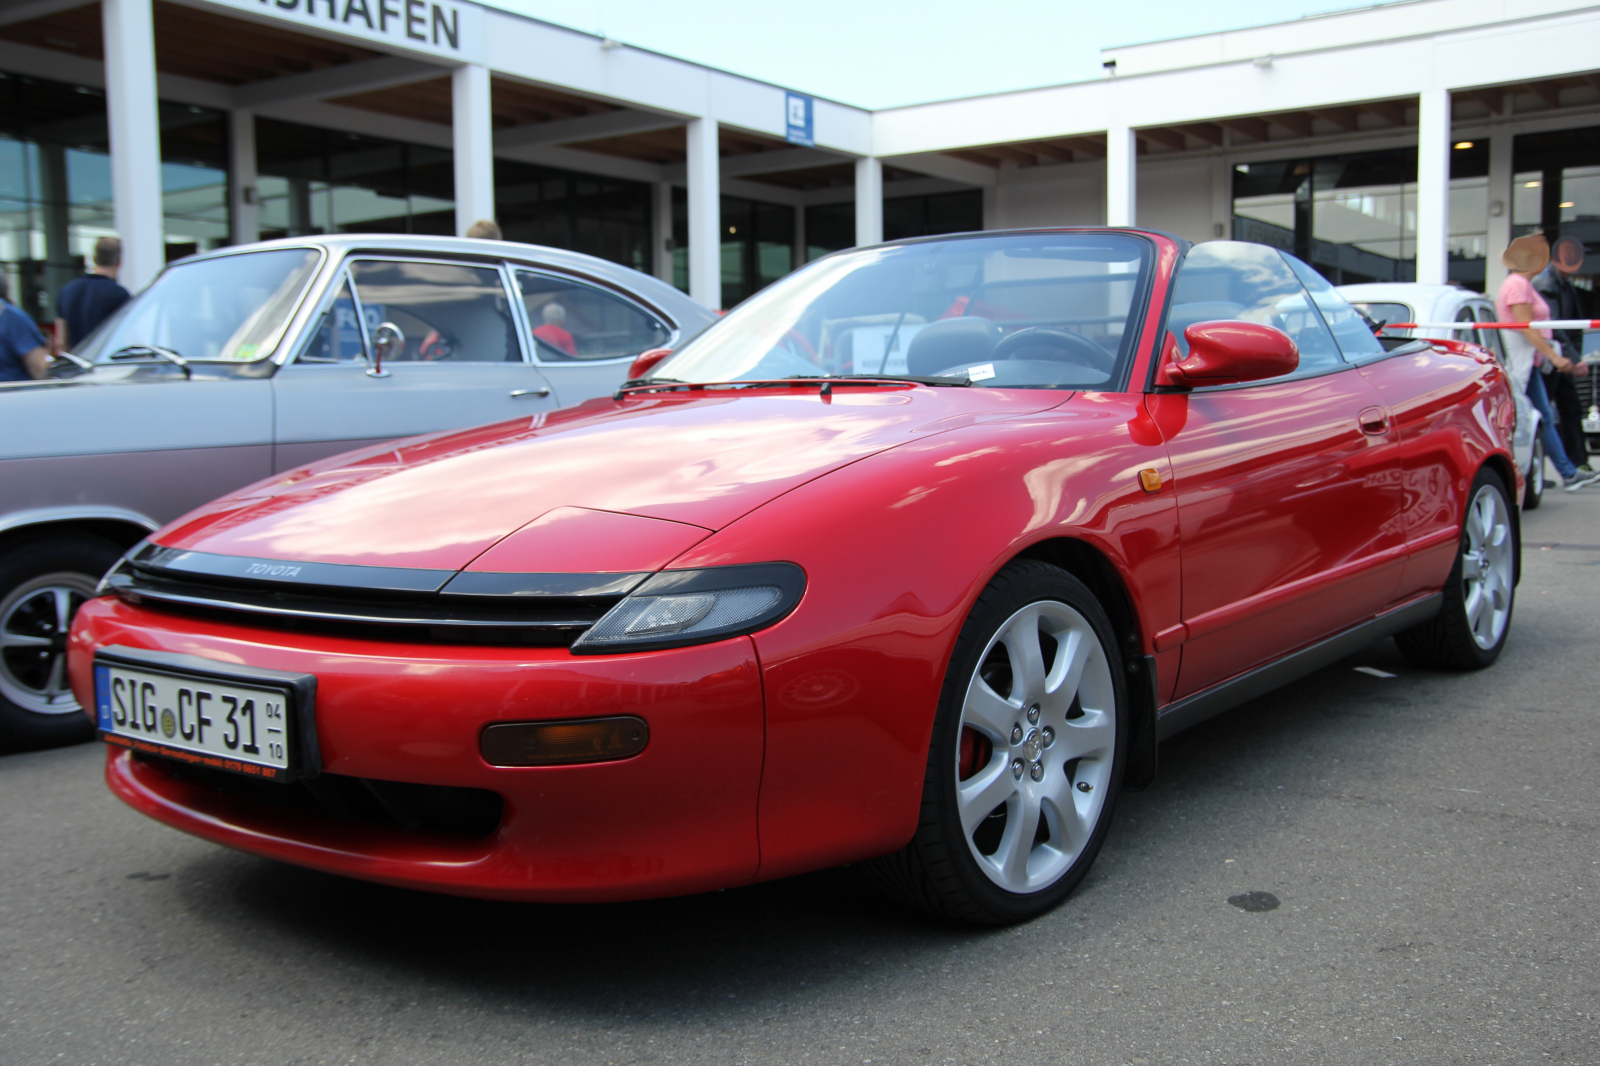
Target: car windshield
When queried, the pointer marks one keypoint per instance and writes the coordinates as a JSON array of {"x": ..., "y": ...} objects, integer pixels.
[
  {"x": 229, "y": 308},
  {"x": 1029, "y": 310}
]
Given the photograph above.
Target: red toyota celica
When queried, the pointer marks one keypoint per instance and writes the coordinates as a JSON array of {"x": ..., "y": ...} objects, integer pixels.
[{"x": 913, "y": 559}]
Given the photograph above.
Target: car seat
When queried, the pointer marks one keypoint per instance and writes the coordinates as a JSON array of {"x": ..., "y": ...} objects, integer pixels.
[{"x": 950, "y": 342}]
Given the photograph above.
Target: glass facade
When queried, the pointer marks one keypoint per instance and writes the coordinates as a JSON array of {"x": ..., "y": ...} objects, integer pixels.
[
  {"x": 312, "y": 180},
  {"x": 55, "y": 184},
  {"x": 831, "y": 227},
  {"x": 605, "y": 217},
  {"x": 757, "y": 245},
  {"x": 1557, "y": 190},
  {"x": 1354, "y": 216}
]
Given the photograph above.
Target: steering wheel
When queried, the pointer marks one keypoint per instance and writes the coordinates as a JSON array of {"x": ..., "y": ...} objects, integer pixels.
[{"x": 1075, "y": 347}]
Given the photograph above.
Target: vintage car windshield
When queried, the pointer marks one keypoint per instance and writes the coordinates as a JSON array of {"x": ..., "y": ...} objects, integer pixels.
[
  {"x": 1030, "y": 310},
  {"x": 229, "y": 308}
]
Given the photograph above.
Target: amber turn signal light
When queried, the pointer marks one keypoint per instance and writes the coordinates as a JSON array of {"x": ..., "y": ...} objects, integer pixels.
[
  {"x": 1150, "y": 480},
  {"x": 561, "y": 743}
]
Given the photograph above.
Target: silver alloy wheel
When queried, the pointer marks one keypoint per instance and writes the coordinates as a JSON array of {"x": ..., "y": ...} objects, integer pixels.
[
  {"x": 34, "y": 620},
  {"x": 1486, "y": 567},
  {"x": 1051, "y": 739}
]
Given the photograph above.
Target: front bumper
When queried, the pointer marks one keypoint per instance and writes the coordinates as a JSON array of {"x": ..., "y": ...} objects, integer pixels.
[{"x": 678, "y": 817}]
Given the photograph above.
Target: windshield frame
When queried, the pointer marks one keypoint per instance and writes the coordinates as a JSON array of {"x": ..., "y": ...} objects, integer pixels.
[
  {"x": 274, "y": 345},
  {"x": 1125, "y": 357}
]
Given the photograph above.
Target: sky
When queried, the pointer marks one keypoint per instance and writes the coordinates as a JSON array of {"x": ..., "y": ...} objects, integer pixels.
[{"x": 888, "y": 53}]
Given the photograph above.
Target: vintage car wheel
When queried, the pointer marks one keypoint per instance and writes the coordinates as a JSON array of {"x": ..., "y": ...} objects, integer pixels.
[
  {"x": 1026, "y": 756},
  {"x": 1533, "y": 495},
  {"x": 42, "y": 584},
  {"x": 1472, "y": 625}
]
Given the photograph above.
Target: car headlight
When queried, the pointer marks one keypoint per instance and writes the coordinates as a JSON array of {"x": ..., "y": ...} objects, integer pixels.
[{"x": 680, "y": 607}]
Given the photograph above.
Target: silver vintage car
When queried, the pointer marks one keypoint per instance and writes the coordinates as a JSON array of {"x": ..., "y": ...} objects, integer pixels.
[{"x": 239, "y": 364}]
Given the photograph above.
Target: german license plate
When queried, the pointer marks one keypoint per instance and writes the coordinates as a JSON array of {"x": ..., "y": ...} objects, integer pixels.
[{"x": 215, "y": 719}]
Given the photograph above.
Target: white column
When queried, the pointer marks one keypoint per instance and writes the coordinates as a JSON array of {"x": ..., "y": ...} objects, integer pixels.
[
  {"x": 135, "y": 139},
  {"x": 1433, "y": 187},
  {"x": 1122, "y": 179},
  {"x": 661, "y": 230},
  {"x": 472, "y": 138},
  {"x": 705, "y": 213},
  {"x": 1501, "y": 190},
  {"x": 991, "y": 207},
  {"x": 242, "y": 195},
  {"x": 869, "y": 201}
]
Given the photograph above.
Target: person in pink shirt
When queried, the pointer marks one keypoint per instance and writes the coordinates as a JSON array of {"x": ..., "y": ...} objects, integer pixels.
[{"x": 1529, "y": 349}]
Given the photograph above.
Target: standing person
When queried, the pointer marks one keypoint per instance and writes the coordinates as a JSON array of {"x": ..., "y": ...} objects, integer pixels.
[
  {"x": 485, "y": 228},
  {"x": 1528, "y": 349},
  {"x": 86, "y": 302},
  {"x": 1555, "y": 285},
  {"x": 24, "y": 354}
]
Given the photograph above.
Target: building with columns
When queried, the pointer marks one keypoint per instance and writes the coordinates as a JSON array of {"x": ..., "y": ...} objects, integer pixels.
[{"x": 1405, "y": 141}]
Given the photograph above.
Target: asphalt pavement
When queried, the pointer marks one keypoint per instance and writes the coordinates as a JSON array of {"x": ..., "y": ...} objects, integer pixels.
[{"x": 1430, "y": 840}]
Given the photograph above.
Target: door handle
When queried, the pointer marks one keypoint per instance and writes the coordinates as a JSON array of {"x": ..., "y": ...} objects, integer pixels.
[
  {"x": 541, "y": 391},
  {"x": 1374, "y": 422}
]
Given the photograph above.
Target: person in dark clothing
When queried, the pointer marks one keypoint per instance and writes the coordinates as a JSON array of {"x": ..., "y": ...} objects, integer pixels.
[
  {"x": 86, "y": 302},
  {"x": 23, "y": 353},
  {"x": 1555, "y": 285}
]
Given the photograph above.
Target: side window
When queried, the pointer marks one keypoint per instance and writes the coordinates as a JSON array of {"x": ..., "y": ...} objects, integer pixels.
[
  {"x": 576, "y": 322},
  {"x": 1472, "y": 336},
  {"x": 447, "y": 312},
  {"x": 1249, "y": 282},
  {"x": 337, "y": 338},
  {"x": 1355, "y": 340},
  {"x": 1491, "y": 337}
]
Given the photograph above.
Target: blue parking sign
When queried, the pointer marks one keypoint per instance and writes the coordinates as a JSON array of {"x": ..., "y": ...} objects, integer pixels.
[{"x": 799, "y": 120}]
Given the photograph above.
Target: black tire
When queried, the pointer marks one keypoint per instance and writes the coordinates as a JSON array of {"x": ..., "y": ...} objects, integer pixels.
[
  {"x": 32, "y": 572},
  {"x": 1533, "y": 493},
  {"x": 939, "y": 870},
  {"x": 1454, "y": 640}
]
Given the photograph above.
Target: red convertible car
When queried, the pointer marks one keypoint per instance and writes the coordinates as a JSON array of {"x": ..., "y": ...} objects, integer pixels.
[{"x": 913, "y": 559}]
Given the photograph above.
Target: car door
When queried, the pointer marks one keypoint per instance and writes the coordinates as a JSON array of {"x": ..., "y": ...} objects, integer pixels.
[
  {"x": 1288, "y": 488},
  {"x": 585, "y": 337},
  {"x": 1429, "y": 392},
  {"x": 456, "y": 359}
]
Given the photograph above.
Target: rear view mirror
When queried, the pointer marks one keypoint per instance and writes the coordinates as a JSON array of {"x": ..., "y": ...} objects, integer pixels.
[
  {"x": 646, "y": 362},
  {"x": 1228, "y": 353}
]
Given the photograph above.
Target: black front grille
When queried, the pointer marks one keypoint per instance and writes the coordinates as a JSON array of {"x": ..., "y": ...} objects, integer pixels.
[
  {"x": 465, "y": 608},
  {"x": 432, "y": 810}
]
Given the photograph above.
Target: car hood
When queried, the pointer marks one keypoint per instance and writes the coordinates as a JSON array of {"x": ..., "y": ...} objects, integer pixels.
[{"x": 684, "y": 459}]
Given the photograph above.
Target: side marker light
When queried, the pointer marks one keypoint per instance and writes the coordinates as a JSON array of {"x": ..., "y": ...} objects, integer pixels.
[
  {"x": 1150, "y": 479},
  {"x": 564, "y": 742}
]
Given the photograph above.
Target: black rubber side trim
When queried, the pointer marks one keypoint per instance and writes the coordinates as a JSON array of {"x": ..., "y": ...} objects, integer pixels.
[{"x": 1192, "y": 710}]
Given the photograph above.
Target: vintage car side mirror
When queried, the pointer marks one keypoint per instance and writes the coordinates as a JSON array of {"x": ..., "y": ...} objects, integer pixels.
[
  {"x": 387, "y": 339},
  {"x": 647, "y": 362},
  {"x": 1228, "y": 353}
]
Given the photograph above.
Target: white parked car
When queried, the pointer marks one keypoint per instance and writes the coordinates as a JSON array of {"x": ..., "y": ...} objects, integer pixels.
[
  {"x": 1393, "y": 301},
  {"x": 237, "y": 365}
]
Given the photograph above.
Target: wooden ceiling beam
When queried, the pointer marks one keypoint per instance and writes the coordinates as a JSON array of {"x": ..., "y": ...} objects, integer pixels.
[
  {"x": 1209, "y": 132},
  {"x": 1085, "y": 146},
  {"x": 1296, "y": 122},
  {"x": 1164, "y": 137},
  {"x": 1547, "y": 91},
  {"x": 1254, "y": 128},
  {"x": 1346, "y": 118},
  {"x": 1391, "y": 111},
  {"x": 1052, "y": 151}
]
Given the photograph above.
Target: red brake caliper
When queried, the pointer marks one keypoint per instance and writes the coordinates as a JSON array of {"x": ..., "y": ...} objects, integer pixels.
[{"x": 975, "y": 752}]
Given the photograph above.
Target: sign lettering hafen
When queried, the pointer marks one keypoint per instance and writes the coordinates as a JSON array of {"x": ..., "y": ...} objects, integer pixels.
[{"x": 443, "y": 28}]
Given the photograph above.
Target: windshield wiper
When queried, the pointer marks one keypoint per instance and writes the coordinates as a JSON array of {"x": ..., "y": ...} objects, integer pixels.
[
  {"x": 918, "y": 379},
  {"x": 136, "y": 351}
]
